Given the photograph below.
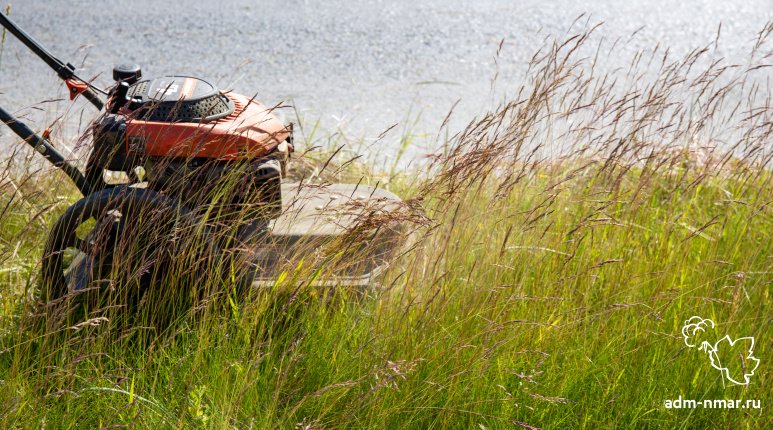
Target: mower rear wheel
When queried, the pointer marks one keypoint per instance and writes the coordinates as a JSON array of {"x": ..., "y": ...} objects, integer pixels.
[{"x": 120, "y": 232}]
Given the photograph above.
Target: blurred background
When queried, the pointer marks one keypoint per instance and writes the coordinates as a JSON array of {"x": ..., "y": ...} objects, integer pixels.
[{"x": 352, "y": 68}]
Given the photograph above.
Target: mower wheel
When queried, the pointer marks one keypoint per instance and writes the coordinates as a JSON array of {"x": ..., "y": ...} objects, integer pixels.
[{"x": 109, "y": 237}]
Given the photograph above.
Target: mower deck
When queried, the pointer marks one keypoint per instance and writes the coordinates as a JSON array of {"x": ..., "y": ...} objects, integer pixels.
[{"x": 313, "y": 219}]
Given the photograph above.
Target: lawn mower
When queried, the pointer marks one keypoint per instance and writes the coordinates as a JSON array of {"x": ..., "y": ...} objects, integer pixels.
[{"x": 189, "y": 151}]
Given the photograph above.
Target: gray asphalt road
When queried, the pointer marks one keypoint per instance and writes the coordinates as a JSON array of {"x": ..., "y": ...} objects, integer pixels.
[{"x": 358, "y": 66}]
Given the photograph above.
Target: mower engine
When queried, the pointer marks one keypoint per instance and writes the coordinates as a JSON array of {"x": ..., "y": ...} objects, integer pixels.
[{"x": 192, "y": 141}]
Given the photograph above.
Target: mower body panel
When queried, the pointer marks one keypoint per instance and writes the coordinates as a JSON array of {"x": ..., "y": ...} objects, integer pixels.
[{"x": 250, "y": 131}]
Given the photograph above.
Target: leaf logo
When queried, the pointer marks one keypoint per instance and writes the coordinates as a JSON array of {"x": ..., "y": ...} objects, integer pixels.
[{"x": 733, "y": 358}]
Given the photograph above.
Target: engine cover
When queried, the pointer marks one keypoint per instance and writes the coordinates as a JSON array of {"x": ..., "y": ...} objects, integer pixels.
[
  {"x": 178, "y": 99},
  {"x": 180, "y": 116}
]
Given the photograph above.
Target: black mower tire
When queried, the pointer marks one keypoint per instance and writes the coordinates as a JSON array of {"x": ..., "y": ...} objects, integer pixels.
[{"x": 127, "y": 200}]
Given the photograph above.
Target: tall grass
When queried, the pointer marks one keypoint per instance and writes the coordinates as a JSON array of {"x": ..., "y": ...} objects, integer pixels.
[{"x": 550, "y": 258}]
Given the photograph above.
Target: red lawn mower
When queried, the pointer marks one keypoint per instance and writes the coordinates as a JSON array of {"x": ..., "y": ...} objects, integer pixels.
[{"x": 188, "y": 151}]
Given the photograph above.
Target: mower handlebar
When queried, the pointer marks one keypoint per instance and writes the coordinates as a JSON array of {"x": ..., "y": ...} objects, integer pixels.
[
  {"x": 64, "y": 71},
  {"x": 44, "y": 148}
]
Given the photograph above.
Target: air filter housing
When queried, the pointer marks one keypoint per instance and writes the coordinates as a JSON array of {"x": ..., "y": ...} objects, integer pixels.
[{"x": 178, "y": 99}]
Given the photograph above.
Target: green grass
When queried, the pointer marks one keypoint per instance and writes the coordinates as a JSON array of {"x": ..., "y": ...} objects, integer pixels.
[
  {"x": 493, "y": 321},
  {"x": 535, "y": 290}
]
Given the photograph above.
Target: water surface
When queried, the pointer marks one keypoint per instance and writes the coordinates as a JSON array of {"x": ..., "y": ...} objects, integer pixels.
[{"x": 357, "y": 66}]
